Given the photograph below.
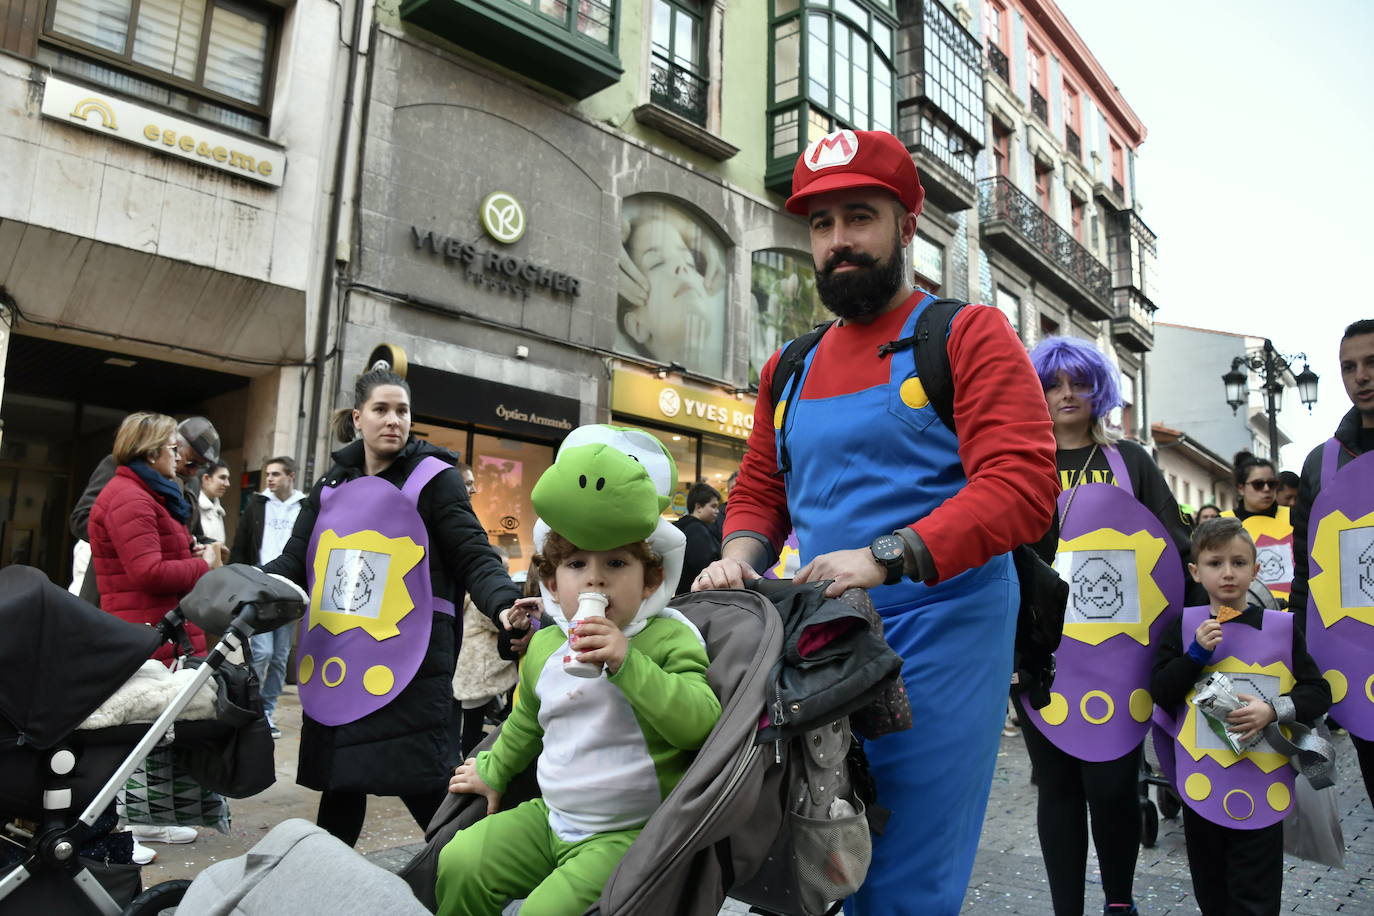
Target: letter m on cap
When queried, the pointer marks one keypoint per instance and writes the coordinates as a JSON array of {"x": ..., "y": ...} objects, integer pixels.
[{"x": 832, "y": 150}]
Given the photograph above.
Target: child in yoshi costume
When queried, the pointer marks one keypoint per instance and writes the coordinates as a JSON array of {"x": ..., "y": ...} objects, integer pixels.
[{"x": 609, "y": 748}]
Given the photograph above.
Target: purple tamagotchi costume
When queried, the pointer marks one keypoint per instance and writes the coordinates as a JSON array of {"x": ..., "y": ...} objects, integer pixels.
[
  {"x": 1255, "y": 788},
  {"x": 1125, "y": 586},
  {"x": 371, "y": 600},
  {"x": 1340, "y": 605}
]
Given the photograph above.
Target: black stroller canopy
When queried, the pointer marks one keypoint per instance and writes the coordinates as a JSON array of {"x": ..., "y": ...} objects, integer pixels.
[{"x": 60, "y": 658}]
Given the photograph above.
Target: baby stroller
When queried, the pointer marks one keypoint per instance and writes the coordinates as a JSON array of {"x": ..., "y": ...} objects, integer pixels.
[
  {"x": 59, "y": 660},
  {"x": 735, "y": 815}
]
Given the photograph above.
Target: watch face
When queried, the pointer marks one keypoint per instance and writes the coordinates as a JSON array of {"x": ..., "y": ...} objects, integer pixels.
[{"x": 888, "y": 547}]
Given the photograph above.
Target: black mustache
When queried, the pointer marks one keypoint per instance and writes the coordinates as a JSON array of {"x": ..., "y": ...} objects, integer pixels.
[{"x": 848, "y": 257}]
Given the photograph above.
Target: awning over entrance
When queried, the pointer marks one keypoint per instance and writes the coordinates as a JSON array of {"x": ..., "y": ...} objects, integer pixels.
[{"x": 146, "y": 300}]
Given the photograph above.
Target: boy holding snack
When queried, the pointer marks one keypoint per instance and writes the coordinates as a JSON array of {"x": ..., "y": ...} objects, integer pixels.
[
  {"x": 614, "y": 705},
  {"x": 1234, "y": 801}
]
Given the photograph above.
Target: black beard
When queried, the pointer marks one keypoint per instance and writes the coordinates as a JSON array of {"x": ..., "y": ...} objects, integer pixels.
[{"x": 856, "y": 295}]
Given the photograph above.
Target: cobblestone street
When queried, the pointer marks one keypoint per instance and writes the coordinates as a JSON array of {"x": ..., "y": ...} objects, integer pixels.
[{"x": 1009, "y": 876}]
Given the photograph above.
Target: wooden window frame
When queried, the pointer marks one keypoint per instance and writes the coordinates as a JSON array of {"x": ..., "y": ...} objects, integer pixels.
[
  {"x": 269, "y": 14},
  {"x": 995, "y": 14},
  {"x": 1037, "y": 67},
  {"x": 1001, "y": 150}
]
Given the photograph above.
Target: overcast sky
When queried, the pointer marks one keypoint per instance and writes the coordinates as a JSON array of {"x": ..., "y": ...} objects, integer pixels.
[{"x": 1255, "y": 172}]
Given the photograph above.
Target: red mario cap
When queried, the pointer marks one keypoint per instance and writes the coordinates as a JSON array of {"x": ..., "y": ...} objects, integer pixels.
[{"x": 856, "y": 159}]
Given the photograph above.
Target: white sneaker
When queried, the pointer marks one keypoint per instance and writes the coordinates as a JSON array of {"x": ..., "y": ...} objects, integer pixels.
[
  {"x": 143, "y": 855},
  {"x": 146, "y": 834}
]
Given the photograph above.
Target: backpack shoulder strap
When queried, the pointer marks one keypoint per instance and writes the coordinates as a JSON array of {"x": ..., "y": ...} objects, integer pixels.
[
  {"x": 793, "y": 358},
  {"x": 932, "y": 356}
]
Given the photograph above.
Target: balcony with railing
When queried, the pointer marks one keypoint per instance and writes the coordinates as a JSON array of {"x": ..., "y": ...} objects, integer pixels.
[
  {"x": 1073, "y": 143},
  {"x": 997, "y": 60},
  {"x": 677, "y": 89},
  {"x": 679, "y": 101},
  {"x": 1133, "y": 324},
  {"x": 1039, "y": 107},
  {"x": 1014, "y": 223}
]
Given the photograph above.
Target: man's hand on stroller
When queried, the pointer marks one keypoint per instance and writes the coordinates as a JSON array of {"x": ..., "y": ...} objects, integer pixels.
[
  {"x": 848, "y": 569},
  {"x": 597, "y": 640},
  {"x": 466, "y": 781},
  {"x": 727, "y": 572}
]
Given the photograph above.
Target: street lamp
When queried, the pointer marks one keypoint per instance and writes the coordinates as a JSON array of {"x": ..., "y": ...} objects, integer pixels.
[
  {"x": 1235, "y": 385},
  {"x": 1307, "y": 387},
  {"x": 1272, "y": 365}
]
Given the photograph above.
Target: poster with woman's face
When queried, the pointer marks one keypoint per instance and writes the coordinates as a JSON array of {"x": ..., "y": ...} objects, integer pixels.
[
  {"x": 783, "y": 287},
  {"x": 673, "y": 287}
]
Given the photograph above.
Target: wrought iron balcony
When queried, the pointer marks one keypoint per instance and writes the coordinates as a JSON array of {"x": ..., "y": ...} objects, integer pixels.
[
  {"x": 1039, "y": 107},
  {"x": 678, "y": 89},
  {"x": 997, "y": 59},
  {"x": 1029, "y": 235},
  {"x": 1133, "y": 324},
  {"x": 1074, "y": 144}
]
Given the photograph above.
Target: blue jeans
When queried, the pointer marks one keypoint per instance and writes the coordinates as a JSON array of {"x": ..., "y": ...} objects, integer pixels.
[{"x": 270, "y": 651}]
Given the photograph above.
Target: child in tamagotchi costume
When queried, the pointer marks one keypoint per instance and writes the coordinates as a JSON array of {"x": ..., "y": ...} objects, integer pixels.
[
  {"x": 1234, "y": 804},
  {"x": 610, "y": 748}
]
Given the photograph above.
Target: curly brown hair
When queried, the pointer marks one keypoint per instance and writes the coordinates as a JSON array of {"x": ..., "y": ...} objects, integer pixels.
[{"x": 558, "y": 548}]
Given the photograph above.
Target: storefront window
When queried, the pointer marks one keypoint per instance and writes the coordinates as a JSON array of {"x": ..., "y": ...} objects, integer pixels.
[
  {"x": 673, "y": 287},
  {"x": 506, "y": 470},
  {"x": 783, "y": 287},
  {"x": 709, "y": 458},
  {"x": 719, "y": 459}
]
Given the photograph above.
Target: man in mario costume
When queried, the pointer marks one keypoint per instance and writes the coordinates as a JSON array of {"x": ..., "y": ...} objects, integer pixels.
[{"x": 884, "y": 496}]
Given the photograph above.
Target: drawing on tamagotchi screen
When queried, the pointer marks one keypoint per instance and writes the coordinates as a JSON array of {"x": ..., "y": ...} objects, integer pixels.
[{"x": 1103, "y": 586}]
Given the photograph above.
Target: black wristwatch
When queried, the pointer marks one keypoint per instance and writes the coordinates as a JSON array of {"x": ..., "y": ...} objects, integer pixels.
[{"x": 890, "y": 552}]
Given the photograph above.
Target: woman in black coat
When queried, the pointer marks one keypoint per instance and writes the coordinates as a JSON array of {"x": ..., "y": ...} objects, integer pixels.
[{"x": 397, "y": 734}]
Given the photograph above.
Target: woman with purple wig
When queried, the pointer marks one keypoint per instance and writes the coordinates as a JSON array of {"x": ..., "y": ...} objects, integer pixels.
[{"x": 1117, "y": 546}]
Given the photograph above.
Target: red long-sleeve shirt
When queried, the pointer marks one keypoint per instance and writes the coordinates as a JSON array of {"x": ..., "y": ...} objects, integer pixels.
[{"x": 1006, "y": 443}]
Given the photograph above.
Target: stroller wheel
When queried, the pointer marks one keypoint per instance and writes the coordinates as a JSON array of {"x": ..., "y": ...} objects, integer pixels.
[
  {"x": 157, "y": 899},
  {"x": 1169, "y": 803},
  {"x": 1149, "y": 823}
]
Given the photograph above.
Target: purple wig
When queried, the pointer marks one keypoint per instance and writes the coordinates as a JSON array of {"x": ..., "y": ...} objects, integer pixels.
[{"x": 1084, "y": 364}]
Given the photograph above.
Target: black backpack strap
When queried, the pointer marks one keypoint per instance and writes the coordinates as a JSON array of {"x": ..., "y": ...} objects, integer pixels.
[
  {"x": 932, "y": 356},
  {"x": 789, "y": 367},
  {"x": 793, "y": 358}
]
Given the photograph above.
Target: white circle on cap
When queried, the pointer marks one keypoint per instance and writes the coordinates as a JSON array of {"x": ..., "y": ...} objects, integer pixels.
[
  {"x": 63, "y": 762},
  {"x": 837, "y": 148}
]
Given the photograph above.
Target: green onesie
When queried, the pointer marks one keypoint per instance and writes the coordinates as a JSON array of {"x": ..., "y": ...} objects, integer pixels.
[{"x": 610, "y": 750}]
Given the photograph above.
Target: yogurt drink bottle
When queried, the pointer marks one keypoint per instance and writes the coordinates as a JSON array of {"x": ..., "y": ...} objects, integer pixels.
[{"x": 589, "y": 604}]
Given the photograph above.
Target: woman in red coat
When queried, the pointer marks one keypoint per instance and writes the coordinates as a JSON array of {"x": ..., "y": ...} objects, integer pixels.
[
  {"x": 141, "y": 549},
  {"x": 145, "y": 561}
]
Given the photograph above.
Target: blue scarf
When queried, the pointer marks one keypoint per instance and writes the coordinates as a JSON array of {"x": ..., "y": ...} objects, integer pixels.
[{"x": 168, "y": 491}]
